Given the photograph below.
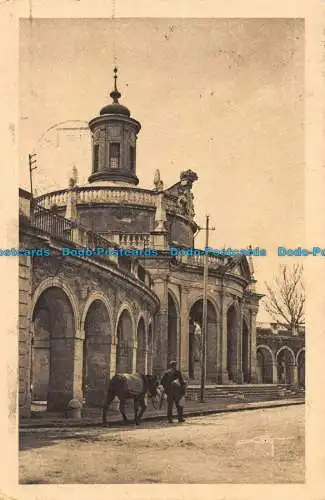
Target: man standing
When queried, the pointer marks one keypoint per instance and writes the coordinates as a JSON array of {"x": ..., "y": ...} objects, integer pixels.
[{"x": 174, "y": 386}]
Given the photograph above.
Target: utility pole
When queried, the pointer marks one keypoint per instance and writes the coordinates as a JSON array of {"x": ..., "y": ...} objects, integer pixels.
[
  {"x": 205, "y": 309},
  {"x": 31, "y": 168}
]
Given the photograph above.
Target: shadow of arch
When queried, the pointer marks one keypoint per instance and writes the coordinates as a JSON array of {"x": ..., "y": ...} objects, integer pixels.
[
  {"x": 245, "y": 351},
  {"x": 286, "y": 362},
  {"x": 96, "y": 353},
  {"x": 150, "y": 349},
  {"x": 125, "y": 343},
  {"x": 233, "y": 327},
  {"x": 264, "y": 364},
  {"x": 53, "y": 347},
  {"x": 301, "y": 368},
  {"x": 195, "y": 341},
  {"x": 141, "y": 346},
  {"x": 173, "y": 328}
]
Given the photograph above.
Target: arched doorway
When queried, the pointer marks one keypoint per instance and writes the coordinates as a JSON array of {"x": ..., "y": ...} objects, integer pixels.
[
  {"x": 125, "y": 344},
  {"x": 301, "y": 368},
  {"x": 264, "y": 365},
  {"x": 195, "y": 341},
  {"x": 245, "y": 351},
  {"x": 96, "y": 353},
  {"x": 141, "y": 348},
  {"x": 173, "y": 329},
  {"x": 232, "y": 337},
  {"x": 150, "y": 349},
  {"x": 53, "y": 350},
  {"x": 286, "y": 362}
]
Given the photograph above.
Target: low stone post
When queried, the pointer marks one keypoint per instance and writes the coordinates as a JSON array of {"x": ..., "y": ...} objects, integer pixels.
[{"x": 74, "y": 409}]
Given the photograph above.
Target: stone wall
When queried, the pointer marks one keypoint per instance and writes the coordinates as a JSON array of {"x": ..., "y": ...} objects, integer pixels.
[
  {"x": 74, "y": 303},
  {"x": 25, "y": 287}
]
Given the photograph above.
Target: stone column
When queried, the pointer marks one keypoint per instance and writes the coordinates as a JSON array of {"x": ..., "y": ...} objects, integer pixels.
[
  {"x": 78, "y": 367},
  {"x": 274, "y": 372},
  {"x": 239, "y": 347},
  {"x": 98, "y": 368},
  {"x": 223, "y": 377},
  {"x": 253, "y": 376},
  {"x": 146, "y": 359},
  {"x": 295, "y": 375},
  {"x": 113, "y": 357},
  {"x": 134, "y": 358},
  {"x": 62, "y": 375},
  {"x": 184, "y": 333},
  {"x": 161, "y": 328}
]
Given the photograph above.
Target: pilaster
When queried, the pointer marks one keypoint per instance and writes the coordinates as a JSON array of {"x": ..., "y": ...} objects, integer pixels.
[
  {"x": 161, "y": 327},
  {"x": 275, "y": 372},
  {"x": 184, "y": 332},
  {"x": 223, "y": 377},
  {"x": 253, "y": 375},
  {"x": 295, "y": 375},
  {"x": 239, "y": 347}
]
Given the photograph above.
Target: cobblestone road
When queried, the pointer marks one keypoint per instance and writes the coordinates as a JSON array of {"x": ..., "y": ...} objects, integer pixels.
[{"x": 259, "y": 446}]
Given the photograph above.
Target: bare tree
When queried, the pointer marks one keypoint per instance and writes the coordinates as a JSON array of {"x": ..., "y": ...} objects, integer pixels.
[{"x": 285, "y": 300}]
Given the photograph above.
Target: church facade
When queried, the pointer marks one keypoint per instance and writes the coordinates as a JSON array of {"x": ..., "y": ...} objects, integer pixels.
[{"x": 84, "y": 318}]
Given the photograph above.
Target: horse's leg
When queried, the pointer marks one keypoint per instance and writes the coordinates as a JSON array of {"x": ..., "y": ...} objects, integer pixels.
[
  {"x": 143, "y": 405},
  {"x": 109, "y": 398},
  {"x": 122, "y": 409},
  {"x": 136, "y": 407}
]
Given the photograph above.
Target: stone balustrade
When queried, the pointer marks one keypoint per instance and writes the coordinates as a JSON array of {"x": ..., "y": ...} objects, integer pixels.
[
  {"x": 102, "y": 194},
  {"x": 134, "y": 240},
  {"x": 198, "y": 260}
]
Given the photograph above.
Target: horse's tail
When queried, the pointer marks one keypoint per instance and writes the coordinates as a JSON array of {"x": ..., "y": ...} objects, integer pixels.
[{"x": 110, "y": 395}]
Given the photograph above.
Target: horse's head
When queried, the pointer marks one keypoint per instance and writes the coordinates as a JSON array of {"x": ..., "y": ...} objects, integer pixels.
[{"x": 153, "y": 385}]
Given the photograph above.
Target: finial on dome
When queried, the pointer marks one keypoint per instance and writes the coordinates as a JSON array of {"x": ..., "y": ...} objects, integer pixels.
[{"x": 115, "y": 95}]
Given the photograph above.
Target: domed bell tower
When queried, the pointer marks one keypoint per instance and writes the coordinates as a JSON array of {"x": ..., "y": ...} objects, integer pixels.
[{"x": 114, "y": 136}]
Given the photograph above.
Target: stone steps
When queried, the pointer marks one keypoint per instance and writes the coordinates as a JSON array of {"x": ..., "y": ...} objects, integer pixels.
[{"x": 245, "y": 392}]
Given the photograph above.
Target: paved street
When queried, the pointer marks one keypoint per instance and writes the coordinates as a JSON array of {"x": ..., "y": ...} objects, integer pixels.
[{"x": 259, "y": 446}]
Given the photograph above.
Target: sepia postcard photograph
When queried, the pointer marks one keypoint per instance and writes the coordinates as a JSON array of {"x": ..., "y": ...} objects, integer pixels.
[{"x": 161, "y": 255}]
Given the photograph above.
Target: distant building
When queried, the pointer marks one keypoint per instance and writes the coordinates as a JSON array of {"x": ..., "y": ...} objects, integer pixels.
[{"x": 280, "y": 355}]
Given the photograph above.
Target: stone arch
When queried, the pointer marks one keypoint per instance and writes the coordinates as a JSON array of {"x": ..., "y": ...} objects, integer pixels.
[
  {"x": 210, "y": 299},
  {"x": 150, "y": 346},
  {"x": 233, "y": 331},
  {"x": 141, "y": 345},
  {"x": 300, "y": 362},
  {"x": 126, "y": 306},
  {"x": 97, "y": 329},
  {"x": 265, "y": 361},
  {"x": 92, "y": 297},
  {"x": 53, "y": 347},
  {"x": 245, "y": 350},
  {"x": 302, "y": 350},
  {"x": 195, "y": 339},
  {"x": 58, "y": 283},
  {"x": 125, "y": 340},
  {"x": 286, "y": 365},
  {"x": 173, "y": 327}
]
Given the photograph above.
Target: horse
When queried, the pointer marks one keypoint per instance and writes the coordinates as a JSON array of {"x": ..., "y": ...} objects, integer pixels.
[{"x": 125, "y": 386}]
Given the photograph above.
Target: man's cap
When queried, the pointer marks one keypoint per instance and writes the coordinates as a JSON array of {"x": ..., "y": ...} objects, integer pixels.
[{"x": 172, "y": 363}]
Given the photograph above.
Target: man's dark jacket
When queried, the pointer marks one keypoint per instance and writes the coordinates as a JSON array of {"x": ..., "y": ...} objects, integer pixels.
[{"x": 167, "y": 379}]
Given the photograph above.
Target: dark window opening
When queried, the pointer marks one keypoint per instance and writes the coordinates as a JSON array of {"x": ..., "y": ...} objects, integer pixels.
[
  {"x": 132, "y": 158},
  {"x": 96, "y": 157},
  {"x": 114, "y": 155}
]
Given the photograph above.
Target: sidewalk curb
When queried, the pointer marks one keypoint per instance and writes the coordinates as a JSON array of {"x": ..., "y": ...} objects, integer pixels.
[{"x": 191, "y": 413}]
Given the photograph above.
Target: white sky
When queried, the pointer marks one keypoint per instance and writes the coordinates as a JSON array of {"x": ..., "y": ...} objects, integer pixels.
[{"x": 224, "y": 98}]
